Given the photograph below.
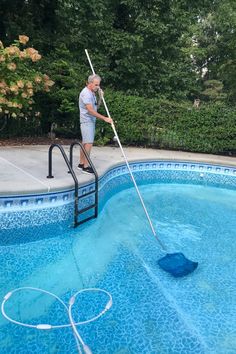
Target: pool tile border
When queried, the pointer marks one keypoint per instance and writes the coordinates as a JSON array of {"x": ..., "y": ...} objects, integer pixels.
[{"x": 163, "y": 169}]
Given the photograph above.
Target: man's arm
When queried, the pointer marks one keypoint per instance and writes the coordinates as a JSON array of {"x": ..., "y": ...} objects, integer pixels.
[{"x": 91, "y": 111}]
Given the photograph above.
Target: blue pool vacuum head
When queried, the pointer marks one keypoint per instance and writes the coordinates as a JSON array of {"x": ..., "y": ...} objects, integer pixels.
[{"x": 177, "y": 264}]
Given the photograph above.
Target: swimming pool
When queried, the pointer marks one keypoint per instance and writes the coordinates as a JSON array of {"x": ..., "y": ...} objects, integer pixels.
[{"x": 152, "y": 312}]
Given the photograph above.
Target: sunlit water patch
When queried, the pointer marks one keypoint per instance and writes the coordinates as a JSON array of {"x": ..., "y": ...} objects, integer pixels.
[{"x": 152, "y": 312}]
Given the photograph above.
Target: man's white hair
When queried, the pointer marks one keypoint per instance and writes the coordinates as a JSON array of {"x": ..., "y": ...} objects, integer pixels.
[{"x": 93, "y": 77}]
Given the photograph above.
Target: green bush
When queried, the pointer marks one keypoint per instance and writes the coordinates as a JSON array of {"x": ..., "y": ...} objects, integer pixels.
[
  {"x": 172, "y": 125},
  {"x": 157, "y": 123}
]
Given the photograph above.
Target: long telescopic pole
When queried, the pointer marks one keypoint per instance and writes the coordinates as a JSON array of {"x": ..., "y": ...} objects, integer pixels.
[{"x": 127, "y": 163}]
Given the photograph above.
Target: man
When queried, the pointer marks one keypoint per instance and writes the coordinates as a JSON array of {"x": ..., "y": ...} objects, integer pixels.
[{"x": 88, "y": 113}]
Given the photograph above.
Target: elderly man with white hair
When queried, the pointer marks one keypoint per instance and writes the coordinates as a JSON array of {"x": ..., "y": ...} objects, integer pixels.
[{"x": 88, "y": 106}]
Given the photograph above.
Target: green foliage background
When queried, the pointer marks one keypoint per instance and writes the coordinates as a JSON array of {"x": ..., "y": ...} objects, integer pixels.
[
  {"x": 155, "y": 58},
  {"x": 172, "y": 125}
]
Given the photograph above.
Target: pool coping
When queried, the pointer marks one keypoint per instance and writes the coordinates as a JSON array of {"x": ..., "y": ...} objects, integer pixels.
[
  {"x": 162, "y": 171},
  {"x": 24, "y": 169}
]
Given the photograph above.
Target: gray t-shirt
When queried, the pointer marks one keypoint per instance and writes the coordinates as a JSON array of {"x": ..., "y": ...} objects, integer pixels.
[{"x": 87, "y": 97}]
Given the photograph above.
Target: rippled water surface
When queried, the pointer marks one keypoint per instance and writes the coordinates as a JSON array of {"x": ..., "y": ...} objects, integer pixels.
[{"x": 152, "y": 312}]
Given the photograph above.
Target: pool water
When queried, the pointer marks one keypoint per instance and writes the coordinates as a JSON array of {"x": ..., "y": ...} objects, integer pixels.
[{"x": 152, "y": 312}]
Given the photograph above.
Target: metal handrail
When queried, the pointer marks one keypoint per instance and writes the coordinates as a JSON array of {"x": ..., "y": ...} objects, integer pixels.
[
  {"x": 72, "y": 174},
  {"x": 91, "y": 165}
]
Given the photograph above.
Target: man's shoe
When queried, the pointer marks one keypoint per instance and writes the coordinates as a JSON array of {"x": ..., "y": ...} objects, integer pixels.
[
  {"x": 87, "y": 170},
  {"x": 80, "y": 166}
]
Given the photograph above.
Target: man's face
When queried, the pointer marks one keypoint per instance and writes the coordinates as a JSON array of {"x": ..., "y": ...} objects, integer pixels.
[{"x": 95, "y": 85}]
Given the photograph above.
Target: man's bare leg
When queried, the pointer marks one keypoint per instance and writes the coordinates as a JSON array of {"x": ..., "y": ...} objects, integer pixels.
[{"x": 83, "y": 160}]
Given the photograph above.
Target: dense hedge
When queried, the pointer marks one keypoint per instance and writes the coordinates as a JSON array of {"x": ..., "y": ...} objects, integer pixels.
[
  {"x": 172, "y": 125},
  {"x": 153, "y": 123}
]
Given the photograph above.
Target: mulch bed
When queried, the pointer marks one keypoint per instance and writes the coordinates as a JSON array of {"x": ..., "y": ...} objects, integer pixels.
[
  {"x": 34, "y": 141},
  {"x": 48, "y": 141}
]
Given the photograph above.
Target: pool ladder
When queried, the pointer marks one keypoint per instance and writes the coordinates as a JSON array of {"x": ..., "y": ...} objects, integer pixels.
[{"x": 69, "y": 164}]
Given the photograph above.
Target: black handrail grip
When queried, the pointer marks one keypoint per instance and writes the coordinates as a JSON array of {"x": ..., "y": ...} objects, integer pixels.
[
  {"x": 71, "y": 171},
  {"x": 92, "y": 166},
  {"x": 86, "y": 155}
]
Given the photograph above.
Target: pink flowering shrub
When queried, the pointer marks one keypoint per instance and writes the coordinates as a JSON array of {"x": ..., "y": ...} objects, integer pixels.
[{"x": 19, "y": 81}]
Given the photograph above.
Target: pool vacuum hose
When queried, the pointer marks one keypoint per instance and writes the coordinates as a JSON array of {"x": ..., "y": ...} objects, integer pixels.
[{"x": 43, "y": 326}]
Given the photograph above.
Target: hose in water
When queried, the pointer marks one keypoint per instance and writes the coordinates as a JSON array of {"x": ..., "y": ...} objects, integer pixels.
[{"x": 73, "y": 324}]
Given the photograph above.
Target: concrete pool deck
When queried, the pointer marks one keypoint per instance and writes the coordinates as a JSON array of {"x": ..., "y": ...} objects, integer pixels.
[{"x": 24, "y": 169}]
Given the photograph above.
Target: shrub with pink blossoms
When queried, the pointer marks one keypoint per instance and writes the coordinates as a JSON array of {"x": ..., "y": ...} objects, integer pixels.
[{"x": 19, "y": 80}]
